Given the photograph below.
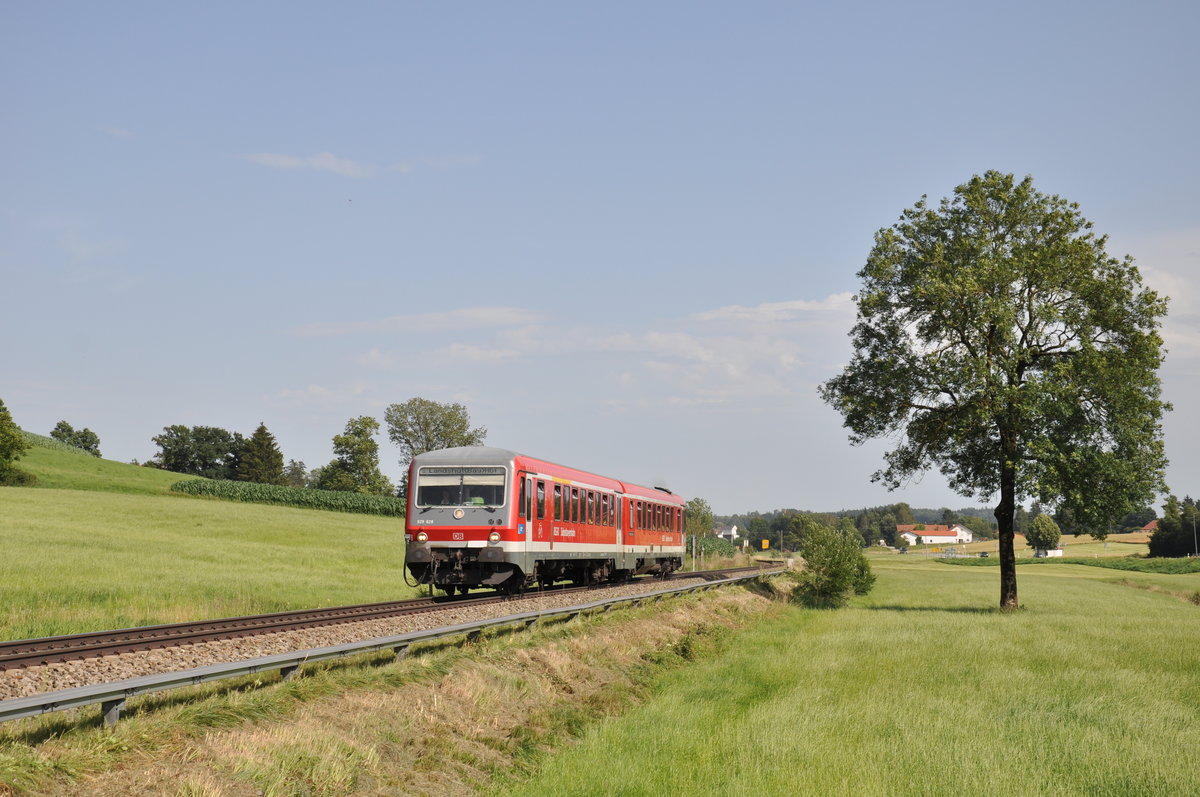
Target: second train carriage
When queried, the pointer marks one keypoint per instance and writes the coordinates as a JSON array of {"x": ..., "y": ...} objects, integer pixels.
[{"x": 483, "y": 516}]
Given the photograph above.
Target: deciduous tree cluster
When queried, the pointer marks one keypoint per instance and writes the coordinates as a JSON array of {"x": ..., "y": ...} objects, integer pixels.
[{"x": 84, "y": 439}]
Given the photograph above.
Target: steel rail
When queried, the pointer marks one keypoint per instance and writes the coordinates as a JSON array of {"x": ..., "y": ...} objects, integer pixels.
[
  {"x": 73, "y": 647},
  {"x": 112, "y": 696}
]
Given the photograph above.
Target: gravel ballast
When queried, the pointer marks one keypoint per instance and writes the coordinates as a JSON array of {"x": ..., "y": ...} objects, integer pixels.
[{"x": 65, "y": 675}]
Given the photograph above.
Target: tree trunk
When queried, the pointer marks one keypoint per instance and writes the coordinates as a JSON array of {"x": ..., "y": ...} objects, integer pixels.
[{"x": 1005, "y": 513}]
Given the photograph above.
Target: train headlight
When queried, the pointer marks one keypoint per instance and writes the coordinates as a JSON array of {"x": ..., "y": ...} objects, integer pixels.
[
  {"x": 422, "y": 537},
  {"x": 494, "y": 537}
]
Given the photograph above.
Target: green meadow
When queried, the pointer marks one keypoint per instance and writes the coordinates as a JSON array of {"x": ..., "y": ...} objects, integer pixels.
[
  {"x": 100, "y": 544},
  {"x": 923, "y": 688}
]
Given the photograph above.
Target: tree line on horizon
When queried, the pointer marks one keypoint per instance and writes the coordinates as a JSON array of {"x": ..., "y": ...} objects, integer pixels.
[
  {"x": 878, "y": 524},
  {"x": 420, "y": 425},
  {"x": 416, "y": 426}
]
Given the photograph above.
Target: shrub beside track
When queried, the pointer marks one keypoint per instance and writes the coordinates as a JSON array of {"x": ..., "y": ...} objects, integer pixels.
[{"x": 301, "y": 497}]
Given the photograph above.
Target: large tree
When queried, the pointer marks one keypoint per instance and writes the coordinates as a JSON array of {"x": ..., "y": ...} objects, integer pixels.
[
  {"x": 356, "y": 466},
  {"x": 1044, "y": 533},
  {"x": 420, "y": 425},
  {"x": 208, "y": 451},
  {"x": 699, "y": 517},
  {"x": 261, "y": 460},
  {"x": 997, "y": 341},
  {"x": 13, "y": 445},
  {"x": 1176, "y": 532}
]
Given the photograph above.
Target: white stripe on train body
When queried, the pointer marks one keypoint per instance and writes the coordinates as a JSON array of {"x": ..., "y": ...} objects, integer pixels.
[{"x": 483, "y": 516}]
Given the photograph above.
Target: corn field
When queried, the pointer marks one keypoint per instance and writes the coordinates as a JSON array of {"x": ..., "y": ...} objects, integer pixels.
[{"x": 301, "y": 497}]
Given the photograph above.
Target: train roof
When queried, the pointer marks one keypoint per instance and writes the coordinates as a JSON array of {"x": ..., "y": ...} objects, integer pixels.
[
  {"x": 475, "y": 455},
  {"x": 489, "y": 455}
]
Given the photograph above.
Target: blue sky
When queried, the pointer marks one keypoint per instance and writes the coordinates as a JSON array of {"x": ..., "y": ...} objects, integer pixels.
[{"x": 625, "y": 235}]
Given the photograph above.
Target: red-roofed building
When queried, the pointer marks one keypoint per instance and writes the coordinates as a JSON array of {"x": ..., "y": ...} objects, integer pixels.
[
  {"x": 934, "y": 533},
  {"x": 1151, "y": 526}
]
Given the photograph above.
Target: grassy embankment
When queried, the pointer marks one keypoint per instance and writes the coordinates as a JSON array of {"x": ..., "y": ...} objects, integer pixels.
[{"x": 100, "y": 544}]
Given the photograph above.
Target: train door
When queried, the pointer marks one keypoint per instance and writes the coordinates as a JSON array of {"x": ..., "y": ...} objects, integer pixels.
[
  {"x": 619, "y": 522},
  {"x": 537, "y": 515}
]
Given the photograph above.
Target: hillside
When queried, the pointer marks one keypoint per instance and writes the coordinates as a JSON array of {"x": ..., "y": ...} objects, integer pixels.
[
  {"x": 70, "y": 469},
  {"x": 101, "y": 544}
]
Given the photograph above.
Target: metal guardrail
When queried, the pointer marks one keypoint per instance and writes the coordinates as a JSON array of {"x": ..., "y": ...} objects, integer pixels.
[{"x": 112, "y": 696}]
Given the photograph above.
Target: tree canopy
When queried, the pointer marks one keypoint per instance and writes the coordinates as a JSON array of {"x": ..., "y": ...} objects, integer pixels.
[
  {"x": 1176, "y": 534},
  {"x": 356, "y": 466},
  {"x": 1043, "y": 534},
  {"x": 84, "y": 439},
  {"x": 208, "y": 451},
  {"x": 261, "y": 459},
  {"x": 420, "y": 425},
  {"x": 13, "y": 445},
  {"x": 699, "y": 517},
  {"x": 997, "y": 341}
]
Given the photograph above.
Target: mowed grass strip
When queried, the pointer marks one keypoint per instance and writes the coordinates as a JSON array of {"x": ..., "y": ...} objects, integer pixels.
[
  {"x": 76, "y": 560},
  {"x": 922, "y": 688}
]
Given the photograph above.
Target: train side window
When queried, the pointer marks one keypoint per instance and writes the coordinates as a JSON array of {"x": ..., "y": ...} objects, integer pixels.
[
  {"x": 574, "y": 504},
  {"x": 591, "y": 507},
  {"x": 541, "y": 500},
  {"x": 558, "y": 508},
  {"x": 521, "y": 503},
  {"x": 641, "y": 514},
  {"x": 658, "y": 524}
]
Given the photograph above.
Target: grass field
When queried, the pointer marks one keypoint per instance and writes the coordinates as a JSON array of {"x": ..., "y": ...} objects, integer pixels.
[
  {"x": 1115, "y": 545},
  {"x": 922, "y": 688},
  {"x": 100, "y": 544}
]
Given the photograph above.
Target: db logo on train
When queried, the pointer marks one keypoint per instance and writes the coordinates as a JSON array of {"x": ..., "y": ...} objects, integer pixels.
[{"x": 458, "y": 535}]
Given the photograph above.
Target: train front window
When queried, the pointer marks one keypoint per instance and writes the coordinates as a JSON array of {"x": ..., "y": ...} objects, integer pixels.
[{"x": 460, "y": 486}]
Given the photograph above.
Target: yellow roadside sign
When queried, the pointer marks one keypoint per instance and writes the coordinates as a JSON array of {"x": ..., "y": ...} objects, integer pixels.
[{"x": 766, "y": 544}]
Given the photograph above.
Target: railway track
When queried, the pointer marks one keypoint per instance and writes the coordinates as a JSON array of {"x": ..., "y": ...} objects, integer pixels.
[{"x": 34, "y": 652}]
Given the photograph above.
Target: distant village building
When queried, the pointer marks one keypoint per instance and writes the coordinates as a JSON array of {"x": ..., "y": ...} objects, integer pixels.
[{"x": 934, "y": 533}]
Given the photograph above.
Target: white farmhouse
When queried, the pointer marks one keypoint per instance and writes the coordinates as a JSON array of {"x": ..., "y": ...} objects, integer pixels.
[{"x": 934, "y": 533}]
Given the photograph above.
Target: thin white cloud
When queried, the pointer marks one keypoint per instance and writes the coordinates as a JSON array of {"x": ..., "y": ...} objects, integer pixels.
[
  {"x": 449, "y": 320},
  {"x": 322, "y": 161},
  {"x": 772, "y": 312}
]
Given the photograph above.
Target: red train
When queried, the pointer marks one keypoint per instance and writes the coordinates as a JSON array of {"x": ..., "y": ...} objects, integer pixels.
[{"x": 481, "y": 516}]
